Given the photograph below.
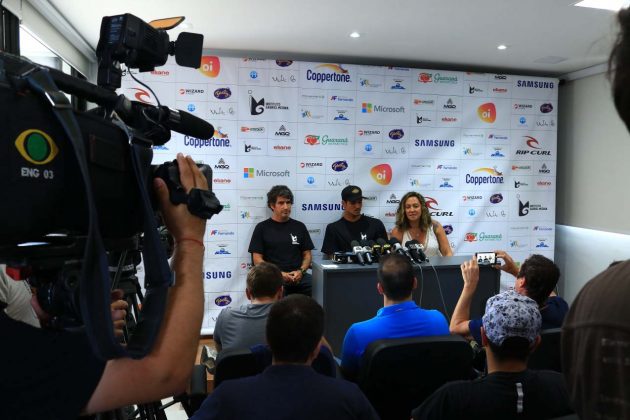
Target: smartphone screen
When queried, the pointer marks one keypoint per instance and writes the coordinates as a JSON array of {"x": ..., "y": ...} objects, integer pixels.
[{"x": 486, "y": 258}]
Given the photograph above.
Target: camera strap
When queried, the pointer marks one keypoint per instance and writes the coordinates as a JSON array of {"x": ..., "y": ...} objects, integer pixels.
[{"x": 95, "y": 282}]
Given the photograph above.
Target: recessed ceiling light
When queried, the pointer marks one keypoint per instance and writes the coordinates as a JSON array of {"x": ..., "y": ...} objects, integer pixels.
[
  {"x": 614, "y": 5},
  {"x": 355, "y": 35},
  {"x": 502, "y": 47}
]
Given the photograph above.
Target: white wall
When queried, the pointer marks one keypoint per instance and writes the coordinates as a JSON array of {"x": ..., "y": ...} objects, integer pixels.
[{"x": 593, "y": 191}]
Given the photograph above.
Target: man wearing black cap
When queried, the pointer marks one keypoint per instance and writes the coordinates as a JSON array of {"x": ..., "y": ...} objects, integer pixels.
[
  {"x": 353, "y": 226},
  {"x": 510, "y": 333}
]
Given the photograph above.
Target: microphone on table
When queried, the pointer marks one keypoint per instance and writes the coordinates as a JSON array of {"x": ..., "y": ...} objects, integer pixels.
[
  {"x": 386, "y": 248},
  {"x": 357, "y": 250},
  {"x": 399, "y": 249},
  {"x": 416, "y": 250},
  {"x": 376, "y": 250},
  {"x": 367, "y": 252}
]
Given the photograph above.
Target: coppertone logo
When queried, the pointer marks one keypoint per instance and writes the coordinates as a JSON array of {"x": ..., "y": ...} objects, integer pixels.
[
  {"x": 339, "y": 74},
  {"x": 493, "y": 176},
  {"x": 396, "y": 134},
  {"x": 222, "y": 93},
  {"x": 223, "y": 300}
]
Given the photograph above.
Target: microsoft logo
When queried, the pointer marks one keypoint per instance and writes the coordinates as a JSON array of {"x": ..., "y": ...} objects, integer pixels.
[
  {"x": 366, "y": 107},
  {"x": 248, "y": 172}
]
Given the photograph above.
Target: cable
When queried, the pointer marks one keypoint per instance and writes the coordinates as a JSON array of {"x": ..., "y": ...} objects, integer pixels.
[
  {"x": 421, "y": 285},
  {"x": 145, "y": 85},
  {"x": 437, "y": 278}
]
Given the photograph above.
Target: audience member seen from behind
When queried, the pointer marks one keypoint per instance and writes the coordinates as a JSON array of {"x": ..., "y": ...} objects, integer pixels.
[
  {"x": 74, "y": 379},
  {"x": 400, "y": 317},
  {"x": 284, "y": 241},
  {"x": 536, "y": 279},
  {"x": 244, "y": 327},
  {"x": 413, "y": 222},
  {"x": 596, "y": 334},
  {"x": 289, "y": 388},
  {"x": 511, "y": 332}
]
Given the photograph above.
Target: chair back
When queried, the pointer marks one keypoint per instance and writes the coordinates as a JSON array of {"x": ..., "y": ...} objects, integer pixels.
[
  {"x": 547, "y": 355},
  {"x": 235, "y": 363},
  {"x": 396, "y": 375}
]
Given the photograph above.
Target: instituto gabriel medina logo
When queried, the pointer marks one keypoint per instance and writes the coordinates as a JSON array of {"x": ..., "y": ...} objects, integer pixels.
[
  {"x": 36, "y": 147},
  {"x": 382, "y": 173}
]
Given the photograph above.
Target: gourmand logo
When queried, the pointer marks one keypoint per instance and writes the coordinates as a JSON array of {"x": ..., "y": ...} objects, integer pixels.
[{"x": 311, "y": 140}]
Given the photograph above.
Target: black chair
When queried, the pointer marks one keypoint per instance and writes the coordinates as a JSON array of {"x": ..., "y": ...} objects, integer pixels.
[
  {"x": 396, "y": 375},
  {"x": 238, "y": 363},
  {"x": 235, "y": 363},
  {"x": 547, "y": 355}
]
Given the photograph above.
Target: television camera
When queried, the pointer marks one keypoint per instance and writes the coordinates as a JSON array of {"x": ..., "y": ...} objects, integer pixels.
[{"x": 77, "y": 185}]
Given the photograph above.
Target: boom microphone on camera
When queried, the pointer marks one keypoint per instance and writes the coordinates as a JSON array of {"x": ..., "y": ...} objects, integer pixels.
[{"x": 179, "y": 121}]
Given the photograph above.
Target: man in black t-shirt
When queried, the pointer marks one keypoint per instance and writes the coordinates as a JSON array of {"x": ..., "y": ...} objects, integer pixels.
[
  {"x": 353, "y": 226},
  {"x": 284, "y": 242},
  {"x": 510, "y": 333}
]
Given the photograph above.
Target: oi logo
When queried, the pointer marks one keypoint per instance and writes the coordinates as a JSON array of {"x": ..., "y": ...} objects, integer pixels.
[
  {"x": 487, "y": 112},
  {"x": 382, "y": 173},
  {"x": 210, "y": 66}
]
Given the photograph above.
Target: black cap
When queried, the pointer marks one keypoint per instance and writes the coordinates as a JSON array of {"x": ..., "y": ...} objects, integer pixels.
[{"x": 351, "y": 193}]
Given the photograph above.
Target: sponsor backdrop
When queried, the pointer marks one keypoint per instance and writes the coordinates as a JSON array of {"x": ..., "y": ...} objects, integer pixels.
[{"x": 480, "y": 147}]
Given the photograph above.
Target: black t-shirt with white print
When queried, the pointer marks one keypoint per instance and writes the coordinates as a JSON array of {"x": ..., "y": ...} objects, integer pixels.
[{"x": 281, "y": 243}]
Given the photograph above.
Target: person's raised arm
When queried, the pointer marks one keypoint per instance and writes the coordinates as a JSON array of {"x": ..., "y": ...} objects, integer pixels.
[
  {"x": 461, "y": 314},
  {"x": 166, "y": 369},
  {"x": 509, "y": 266}
]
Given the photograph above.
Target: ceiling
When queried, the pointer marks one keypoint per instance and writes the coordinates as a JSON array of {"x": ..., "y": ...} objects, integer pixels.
[{"x": 446, "y": 34}]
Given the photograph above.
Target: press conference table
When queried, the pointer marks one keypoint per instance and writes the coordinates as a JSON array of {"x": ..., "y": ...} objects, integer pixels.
[{"x": 348, "y": 292}]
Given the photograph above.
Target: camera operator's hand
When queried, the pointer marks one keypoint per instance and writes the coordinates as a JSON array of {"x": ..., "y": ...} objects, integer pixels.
[
  {"x": 119, "y": 312},
  {"x": 165, "y": 371},
  {"x": 180, "y": 223}
]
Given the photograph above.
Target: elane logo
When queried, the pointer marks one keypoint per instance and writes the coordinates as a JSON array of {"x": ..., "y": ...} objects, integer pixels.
[
  {"x": 382, "y": 173},
  {"x": 210, "y": 66},
  {"x": 487, "y": 112}
]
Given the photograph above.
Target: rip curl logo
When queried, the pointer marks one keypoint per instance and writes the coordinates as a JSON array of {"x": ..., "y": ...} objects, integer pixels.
[
  {"x": 142, "y": 95},
  {"x": 532, "y": 142}
]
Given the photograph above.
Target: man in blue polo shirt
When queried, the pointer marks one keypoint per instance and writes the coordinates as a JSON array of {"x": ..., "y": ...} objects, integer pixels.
[{"x": 399, "y": 318}]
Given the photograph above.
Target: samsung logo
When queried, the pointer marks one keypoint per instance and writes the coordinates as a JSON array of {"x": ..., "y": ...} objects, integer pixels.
[
  {"x": 213, "y": 275},
  {"x": 322, "y": 207},
  {"x": 434, "y": 143},
  {"x": 537, "y": 84}
]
